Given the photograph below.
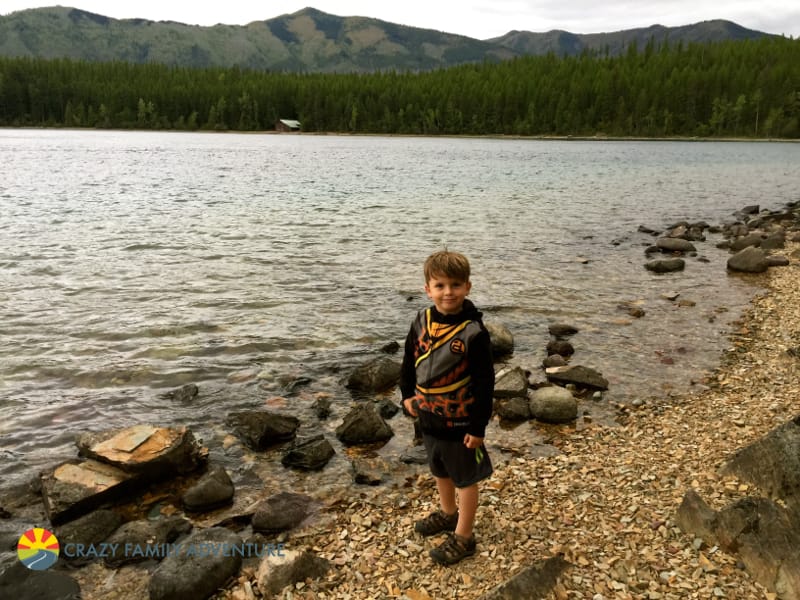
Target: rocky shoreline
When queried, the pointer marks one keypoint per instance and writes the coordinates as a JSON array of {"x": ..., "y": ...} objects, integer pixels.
[{"x": 593, "y": 517}]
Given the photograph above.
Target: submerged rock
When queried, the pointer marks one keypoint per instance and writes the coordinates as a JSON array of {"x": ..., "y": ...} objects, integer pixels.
[
  {"x": 308, "y": 455},
  {"x": 260, "y": 429},
  {"x": 667, "y": 265}
]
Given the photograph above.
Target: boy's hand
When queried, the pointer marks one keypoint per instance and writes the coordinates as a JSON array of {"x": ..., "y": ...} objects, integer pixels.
[
  {"x": 411, "y": 405},
  {"x": 471, "y": 441}
]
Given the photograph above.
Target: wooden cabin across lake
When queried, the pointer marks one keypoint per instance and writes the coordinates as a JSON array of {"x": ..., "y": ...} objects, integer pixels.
[{"x": 287, "y": 125}]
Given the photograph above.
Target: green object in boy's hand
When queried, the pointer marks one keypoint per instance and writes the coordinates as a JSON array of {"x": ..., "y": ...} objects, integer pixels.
[{"x": 478, "y": 455}]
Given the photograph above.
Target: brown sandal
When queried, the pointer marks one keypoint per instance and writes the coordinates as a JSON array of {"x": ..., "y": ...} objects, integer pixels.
[
  {"x": 453, "y": 549},
  {"x": 436, "y": 522}
]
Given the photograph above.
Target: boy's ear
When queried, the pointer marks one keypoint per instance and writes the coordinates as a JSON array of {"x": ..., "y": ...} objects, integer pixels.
[{"x": 469, "y": 286}]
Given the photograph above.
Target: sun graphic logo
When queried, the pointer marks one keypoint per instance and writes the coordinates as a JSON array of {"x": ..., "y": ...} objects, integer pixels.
[{"x": 37, "y": 549}]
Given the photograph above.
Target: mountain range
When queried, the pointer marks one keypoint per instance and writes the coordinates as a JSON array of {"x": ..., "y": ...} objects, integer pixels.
[{"x": 310, "y": 41}]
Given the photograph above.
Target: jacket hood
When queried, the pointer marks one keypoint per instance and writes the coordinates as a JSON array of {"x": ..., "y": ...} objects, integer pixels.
[{"x": 468, "y": 313}]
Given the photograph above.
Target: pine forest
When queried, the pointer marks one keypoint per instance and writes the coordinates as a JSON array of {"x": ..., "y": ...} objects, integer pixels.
[{"x": 731, "y": 89}]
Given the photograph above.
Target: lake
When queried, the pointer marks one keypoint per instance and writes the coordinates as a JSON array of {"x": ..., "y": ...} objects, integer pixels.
[{"x": 265, "y": 267}]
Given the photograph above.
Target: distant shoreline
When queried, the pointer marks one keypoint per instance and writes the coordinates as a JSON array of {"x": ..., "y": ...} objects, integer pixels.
[{"x": 498, "y": 136}]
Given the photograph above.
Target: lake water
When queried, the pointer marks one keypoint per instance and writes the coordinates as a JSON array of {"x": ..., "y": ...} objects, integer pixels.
[{"x": 132, "y": 263}]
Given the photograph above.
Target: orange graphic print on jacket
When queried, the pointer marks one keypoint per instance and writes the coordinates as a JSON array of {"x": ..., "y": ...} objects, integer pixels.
[{"x": 441, "y": 364}]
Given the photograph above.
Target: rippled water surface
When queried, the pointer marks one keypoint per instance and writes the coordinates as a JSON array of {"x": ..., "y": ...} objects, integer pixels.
[{"x": 132, "y": 263}]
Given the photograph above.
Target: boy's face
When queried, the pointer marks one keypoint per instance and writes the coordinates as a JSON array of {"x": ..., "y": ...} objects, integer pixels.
[{"x": 447, "y": 294}]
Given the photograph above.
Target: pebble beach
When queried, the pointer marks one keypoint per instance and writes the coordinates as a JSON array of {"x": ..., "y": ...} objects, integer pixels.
[{"x": 606, "y": 503}]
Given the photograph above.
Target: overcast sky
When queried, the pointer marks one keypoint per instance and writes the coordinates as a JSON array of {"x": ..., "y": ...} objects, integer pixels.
[{"x": 480, "y": 19}]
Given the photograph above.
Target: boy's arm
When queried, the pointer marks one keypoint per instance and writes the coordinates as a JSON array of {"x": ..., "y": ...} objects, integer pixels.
[
  {"x": 408, "y": 373},
  {"x": 482, "y": 372}
]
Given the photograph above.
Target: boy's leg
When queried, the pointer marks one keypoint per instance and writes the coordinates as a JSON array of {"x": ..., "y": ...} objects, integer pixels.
[
  {"x": 461, "y": 543},
  {"x": 444, "y": 519},
  {"x": 447, "y": 496},
  {"x": 467, "y": 507}
]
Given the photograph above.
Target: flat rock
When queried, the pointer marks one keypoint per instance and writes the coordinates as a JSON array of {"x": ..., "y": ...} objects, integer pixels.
[
  {"x": 145, "y": 449},
  {"x": 562, "y": 330},
  {"x": 674, "y": 244},
  {"x": 75, "y": 488},
  {"x": 579, "y": 375}
]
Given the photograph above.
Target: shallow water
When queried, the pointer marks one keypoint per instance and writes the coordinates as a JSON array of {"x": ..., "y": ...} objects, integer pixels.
[{"x": 132, "y": 263}]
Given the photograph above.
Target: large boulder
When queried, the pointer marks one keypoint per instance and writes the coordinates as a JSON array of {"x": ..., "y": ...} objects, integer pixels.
[
  {"x": 762, "y": 533},
  {"x": 749, "y": 260},
  {"x": 260, "y": 429},
  {"x": 553, "y": 404},
  {"x": 363, "y": 425},
  {"x": 772, "y": 463},
  {"x": 203, "y": 563},
  {"x": 376, "y": 375}
]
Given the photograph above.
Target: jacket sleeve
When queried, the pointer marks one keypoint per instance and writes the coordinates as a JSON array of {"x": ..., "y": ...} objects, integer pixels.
[
  {"x": 482, "y": 372},
  {"x": 408, "y": 373}
]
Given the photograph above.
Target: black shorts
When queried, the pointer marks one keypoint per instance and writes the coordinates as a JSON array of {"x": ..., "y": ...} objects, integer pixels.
[{"x": 452, "y": 459}]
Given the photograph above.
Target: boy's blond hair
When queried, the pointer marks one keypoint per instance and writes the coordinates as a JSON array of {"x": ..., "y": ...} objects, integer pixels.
[{"x": 447, "y": 264}]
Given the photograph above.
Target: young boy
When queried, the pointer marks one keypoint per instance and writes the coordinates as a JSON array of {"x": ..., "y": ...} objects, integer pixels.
[{"x": 447, "y": 381}]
